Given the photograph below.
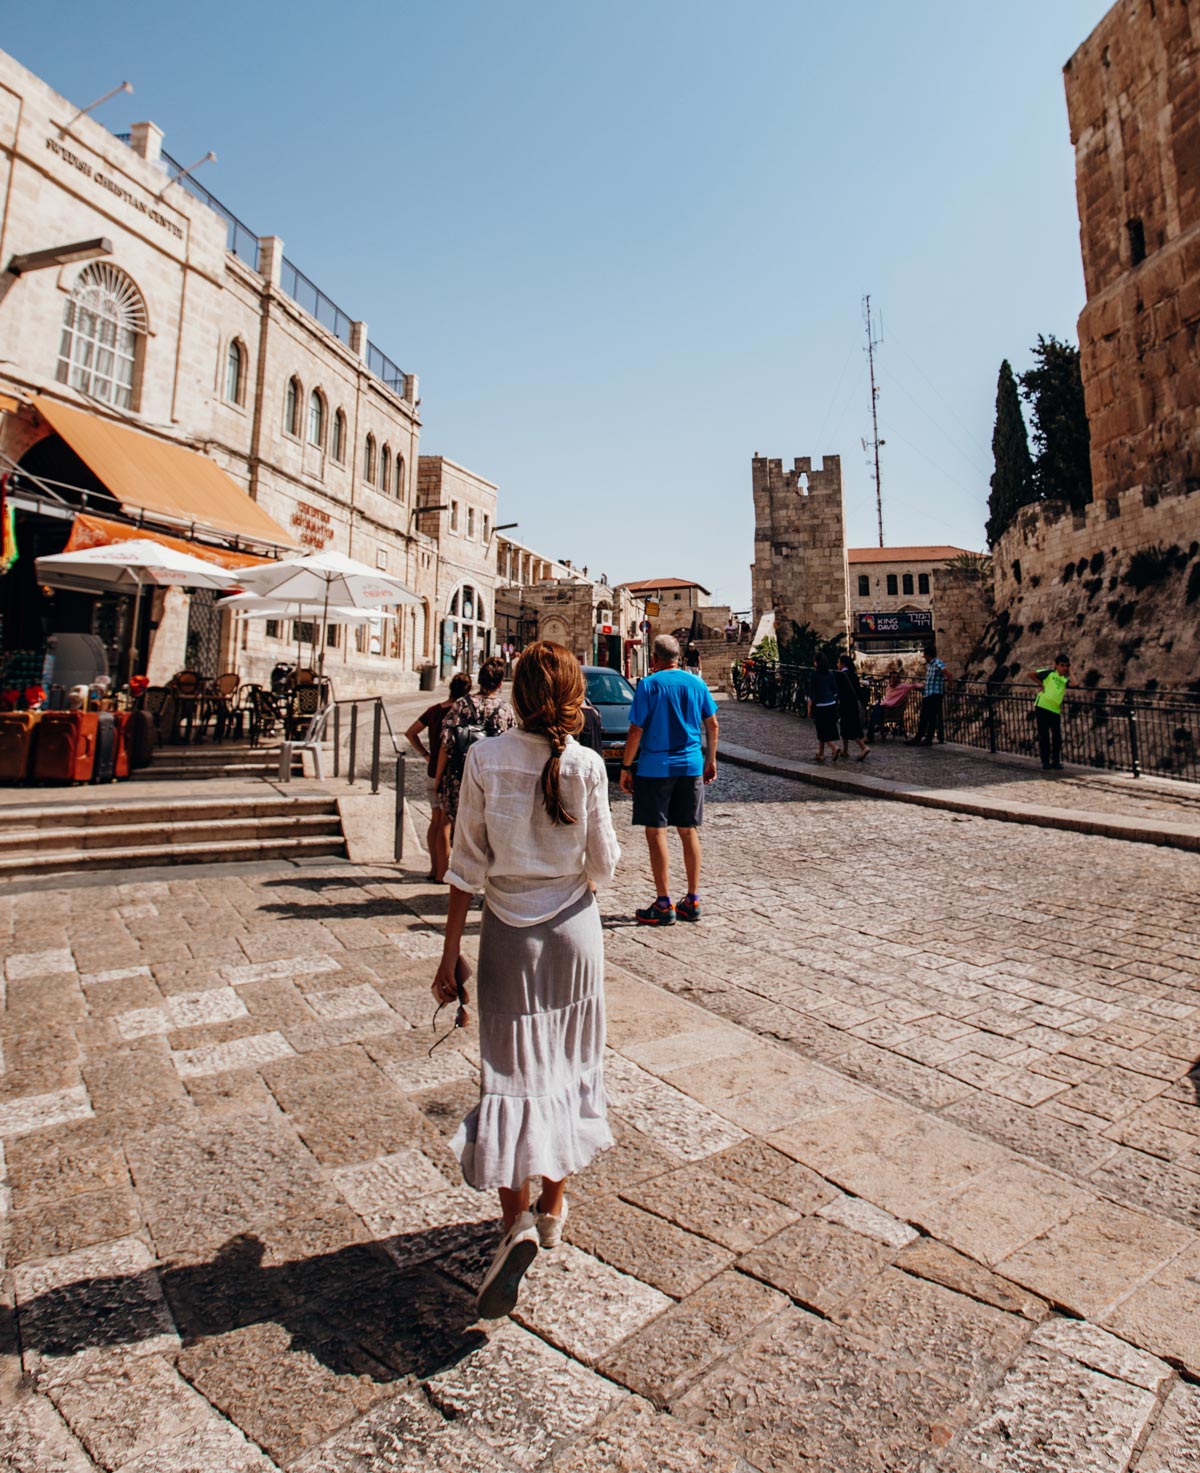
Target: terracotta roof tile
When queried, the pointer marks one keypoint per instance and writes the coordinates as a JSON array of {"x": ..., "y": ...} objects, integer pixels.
[{"x": 903, "y": 554}]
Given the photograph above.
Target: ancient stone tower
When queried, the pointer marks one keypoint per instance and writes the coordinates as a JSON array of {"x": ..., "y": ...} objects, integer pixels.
[{"x": 800, "y": 544}]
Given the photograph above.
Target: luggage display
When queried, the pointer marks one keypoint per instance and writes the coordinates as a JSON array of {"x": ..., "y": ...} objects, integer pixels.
[
  {"x": 142, "y": 738},
  {"x": 64, "y": 748},
  {"x": 121, "y": 764},
  {"x": 16, "y": 744},
  {"x": 104, "y": 767}
]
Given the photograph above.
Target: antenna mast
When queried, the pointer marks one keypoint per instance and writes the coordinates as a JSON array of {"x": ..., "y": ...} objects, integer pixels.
[{"x": 875, "y": 442}]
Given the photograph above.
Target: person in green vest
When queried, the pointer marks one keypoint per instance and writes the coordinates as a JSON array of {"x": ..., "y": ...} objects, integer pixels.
[{"x": 1047, "y": 710}]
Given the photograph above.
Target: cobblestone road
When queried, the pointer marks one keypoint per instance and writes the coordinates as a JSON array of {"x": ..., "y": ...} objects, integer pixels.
[{"x": 906, "y": 1176}]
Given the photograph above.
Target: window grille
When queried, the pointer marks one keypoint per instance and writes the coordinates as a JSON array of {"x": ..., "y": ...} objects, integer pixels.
[{"x": 104, "y": 325}]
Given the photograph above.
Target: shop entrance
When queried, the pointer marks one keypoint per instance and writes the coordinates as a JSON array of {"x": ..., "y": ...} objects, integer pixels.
[{"x": 204, "y": 634}]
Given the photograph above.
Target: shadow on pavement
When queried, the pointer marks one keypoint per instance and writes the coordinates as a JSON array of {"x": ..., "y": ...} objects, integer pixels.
[{"x": 355, "y": 1310}]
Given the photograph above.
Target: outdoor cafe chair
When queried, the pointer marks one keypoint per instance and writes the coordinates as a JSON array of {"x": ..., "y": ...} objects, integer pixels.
[{"x": 313, "y": 738}]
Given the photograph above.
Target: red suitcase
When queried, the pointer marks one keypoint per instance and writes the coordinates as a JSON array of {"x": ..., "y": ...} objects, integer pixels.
[
  {"x": 16, "y": 744},
  {"x": 64, "y": 750},
  {"x": 122, "y": 719}
]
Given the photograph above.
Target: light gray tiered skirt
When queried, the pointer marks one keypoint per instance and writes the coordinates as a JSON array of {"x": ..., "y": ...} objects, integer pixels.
[{"x": 540, "y": 998}]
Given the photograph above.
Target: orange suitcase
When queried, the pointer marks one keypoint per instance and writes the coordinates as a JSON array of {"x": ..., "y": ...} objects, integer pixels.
[
  {"x": 65, "y": 748},
  {"x": 16, "y": 744}
]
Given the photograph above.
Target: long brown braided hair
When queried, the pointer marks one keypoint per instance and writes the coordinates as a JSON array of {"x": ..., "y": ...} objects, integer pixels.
[{"x": 548, "y": 694}]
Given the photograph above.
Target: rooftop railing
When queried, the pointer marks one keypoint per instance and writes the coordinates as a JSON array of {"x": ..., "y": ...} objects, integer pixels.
[
  {"x": 307, "y": 294},
  {"x": 243, "y": 242}
]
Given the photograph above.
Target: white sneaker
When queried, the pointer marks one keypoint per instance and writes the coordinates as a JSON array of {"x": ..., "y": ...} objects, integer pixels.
[
  {"x": 502, "y": 1282},
  {"x": 549, "y": 1229}
]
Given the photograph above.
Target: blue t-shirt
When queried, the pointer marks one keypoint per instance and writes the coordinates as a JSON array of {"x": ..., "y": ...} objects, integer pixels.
[{"x": 671, "y": 707}]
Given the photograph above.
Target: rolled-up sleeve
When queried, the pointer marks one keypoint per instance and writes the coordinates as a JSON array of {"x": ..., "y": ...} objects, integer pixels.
[
  {"x": 470, "y": 855},
  {"x": 602, "y": 851}
]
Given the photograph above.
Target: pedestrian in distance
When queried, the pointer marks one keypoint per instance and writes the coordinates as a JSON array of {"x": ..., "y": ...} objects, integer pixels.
[
  {"x": 931, "y": 701},
  {"x": 673, "y": 741},
  {"x": 1047, "y": 710},
  {"x": 535, "y": 836},
  {"x": 466, "y": 722},
  {"x": 691, "y": 658},
  {"x": 437, "y": 838},
  {"x": 888, "y": 710},
  {"x": 823, "y": 708},
  {"x": 850, "y": 708}
]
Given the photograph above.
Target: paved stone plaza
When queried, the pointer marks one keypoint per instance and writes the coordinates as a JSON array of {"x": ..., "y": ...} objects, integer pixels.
[{"x": 907, "y": 1172}]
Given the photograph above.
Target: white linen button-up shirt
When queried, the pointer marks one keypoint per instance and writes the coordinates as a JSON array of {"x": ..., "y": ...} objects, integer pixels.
[{"x": 528, "y": 868}]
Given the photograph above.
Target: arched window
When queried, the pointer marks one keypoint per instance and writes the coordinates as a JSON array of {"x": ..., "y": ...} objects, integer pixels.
[
  {"x": 339, "y": 437},
  {"x": 235, "y": 373},
  {"x": 104, "y": 328},
  {"x": 385, "y": 469},
  {"x": 316, "y": 418},
  {"x": 291, "y": 408},
  {"x": 401, "y": 489},
  {"x": 369, "y": 461}
]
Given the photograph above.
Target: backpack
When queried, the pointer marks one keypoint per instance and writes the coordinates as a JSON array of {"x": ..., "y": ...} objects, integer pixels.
[{"x": 466, "y": 734}]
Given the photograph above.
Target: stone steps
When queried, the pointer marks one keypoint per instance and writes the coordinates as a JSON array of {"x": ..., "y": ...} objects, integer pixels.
[
  {"x": 63, "y": 837},
  {"x": 205, "y": 761}
]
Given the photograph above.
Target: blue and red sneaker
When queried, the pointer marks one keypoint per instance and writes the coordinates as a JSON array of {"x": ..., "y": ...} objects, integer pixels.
[
  {"x": 658, "y": 914},
  {"x": 688, "y": 909}
]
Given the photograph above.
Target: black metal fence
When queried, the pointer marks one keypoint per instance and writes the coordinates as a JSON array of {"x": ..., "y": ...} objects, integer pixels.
[{"x": 1110, "y": 730}]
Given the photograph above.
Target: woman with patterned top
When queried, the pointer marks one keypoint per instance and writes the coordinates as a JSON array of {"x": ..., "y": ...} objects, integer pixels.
[{"x": 488, "y": 714}]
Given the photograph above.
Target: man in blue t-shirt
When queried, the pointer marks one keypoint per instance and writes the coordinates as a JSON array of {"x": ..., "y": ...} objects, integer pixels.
[{"x": 673, "y": 738}]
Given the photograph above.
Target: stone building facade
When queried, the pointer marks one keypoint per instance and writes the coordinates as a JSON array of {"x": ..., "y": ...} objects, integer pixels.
[
  {"x": 457, "y": 509},
  {"x": 218, "y": 345},
  {"x": 1133, "y": 99},
  {"x": 671, "y": 603},
  {"x": 1118, "y": 584},
  {"x": 892, "y": 595},
  {"x": 800, "y": 570}
]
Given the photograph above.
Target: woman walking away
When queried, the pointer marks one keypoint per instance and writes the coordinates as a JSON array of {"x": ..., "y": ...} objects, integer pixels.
[
  {"x": 823, "y": 707},
  {"x": 535, "y": 836},
  {"x": 437, "y": 840},
  {"x": 850, "y": 708},
  {"x": 464, "y": 724}
]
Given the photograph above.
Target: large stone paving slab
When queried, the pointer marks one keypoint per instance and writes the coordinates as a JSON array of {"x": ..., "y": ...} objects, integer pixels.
[
  {"x": 403, "y": 1435},
  {"x": 34, "y": 1439},
  {"x": 653, "y": 1250},
  {"x": 636, "y": 1439},
  {"x": 94, "y": 1299},
  {"x": 1174, "y": 1444},
  {"x": 204, "y": 1181},
  {"x": 661, "y": 1360},
  {"x": 583, "y": 1306},
  {"x": 1162, "y": 1313},
  {"x": 818, "y": 1264},
  {"x": 1053, "y": 1415},
  {"x": 521, "y": 1397},
  {"x": 730, "y": 1214}
]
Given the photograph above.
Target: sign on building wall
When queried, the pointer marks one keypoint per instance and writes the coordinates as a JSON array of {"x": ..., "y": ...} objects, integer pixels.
[{"x": 916, "y": 621}]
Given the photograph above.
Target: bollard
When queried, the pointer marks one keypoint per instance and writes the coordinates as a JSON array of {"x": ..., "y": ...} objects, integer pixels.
[
  {"x": 375, "y": 745},
  {"x": 337, "y": 741},
  {"x": 399, "y": 833},
  {"x": 1135, "y": 761},
  {"x": 350, "y": 761}
]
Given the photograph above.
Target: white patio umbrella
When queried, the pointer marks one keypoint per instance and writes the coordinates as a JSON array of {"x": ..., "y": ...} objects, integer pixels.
[
  {"x": 127, "y": 567},
  {"x": 329, "y": 579},
  {"x": 254, "y": 606}
]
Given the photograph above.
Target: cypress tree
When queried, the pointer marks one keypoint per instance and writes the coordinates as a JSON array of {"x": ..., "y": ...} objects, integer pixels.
[
  {"x": 1012, "y": 480},
  {"x": 1062, "y": 469}
]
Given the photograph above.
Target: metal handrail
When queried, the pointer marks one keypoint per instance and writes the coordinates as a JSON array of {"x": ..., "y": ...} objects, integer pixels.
[
  {"x": 1105, "y": 728},
  {"x": 386, "y": 371},
  {"x": 308, "y": 295}
]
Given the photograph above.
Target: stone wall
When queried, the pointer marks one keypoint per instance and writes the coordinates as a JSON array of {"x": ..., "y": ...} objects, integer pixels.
[
  {"x": 1117, "y": 586},
  {"x": 963, "y": 603},
  {"x": 800, "y": 567},
  {"x": 1133, "y": 97}
]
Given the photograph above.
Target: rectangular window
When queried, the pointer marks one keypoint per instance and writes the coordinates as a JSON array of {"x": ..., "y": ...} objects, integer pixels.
[
  {"x": 470, "y": 521},
  {"x": 331, "y": 635},
  {"x": 908, "y": 583},
  {"x": 454, "y": 516},
  {"x": 272, "y": 628},
  {"x": 893, "y": 585},
  {"x": 304, "y": 631},
  {"x": 381, "y": 558},
  {"x": 922, "y": 582},
  {"x": 485, "y": 526},
  {"x": 864, "y": 585}
]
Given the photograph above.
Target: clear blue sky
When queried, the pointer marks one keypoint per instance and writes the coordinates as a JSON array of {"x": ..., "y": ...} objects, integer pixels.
[{"x": 625, "y": 244}]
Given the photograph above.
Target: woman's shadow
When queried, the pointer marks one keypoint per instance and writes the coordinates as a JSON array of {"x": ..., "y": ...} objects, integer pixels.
[{"x": 357, "y": 1310}]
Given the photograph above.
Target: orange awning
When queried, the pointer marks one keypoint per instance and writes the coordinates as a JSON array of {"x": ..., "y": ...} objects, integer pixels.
[
  {"x": 90, "y": 531},
  {"x": 156, "y": 476}
]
